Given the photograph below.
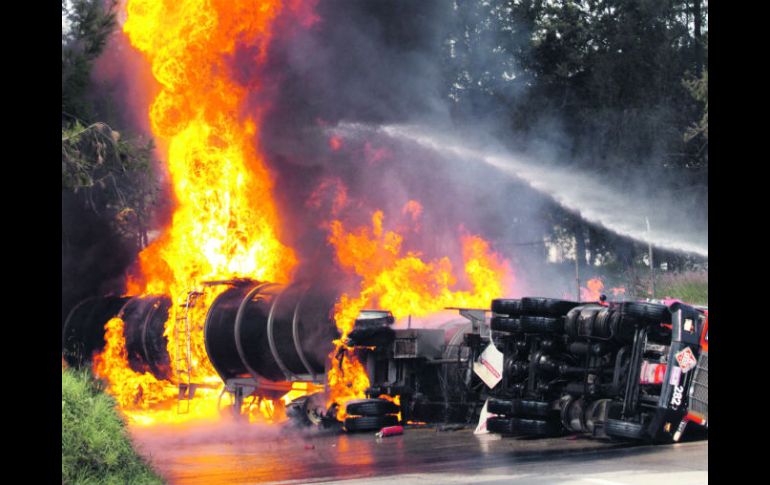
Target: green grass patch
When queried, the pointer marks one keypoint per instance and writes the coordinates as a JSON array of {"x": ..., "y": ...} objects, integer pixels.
[
  {"x": 95, "y": 446},
  {"x": 690, "y": 286}
]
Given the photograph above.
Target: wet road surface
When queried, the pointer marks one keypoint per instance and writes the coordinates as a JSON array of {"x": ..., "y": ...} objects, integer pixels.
[{"x": 241, "y": 453}]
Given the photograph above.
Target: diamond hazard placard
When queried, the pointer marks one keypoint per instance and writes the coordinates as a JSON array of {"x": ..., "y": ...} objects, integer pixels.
[
  {"x": 686, "y": 359},
  {"x": 489, "y": 366}
]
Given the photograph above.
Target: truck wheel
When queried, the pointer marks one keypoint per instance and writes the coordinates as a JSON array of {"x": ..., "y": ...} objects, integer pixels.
[
  {"x": 570, "y": 322},
  {"x": 622, "y": 329},
  {"x": 623, "y": 429},
  {"x": 500, "y": 425},
  {"x": 371, "y": 407},
  {"x": 646, "y": 312},
  {"x": 518, "y": 407},
  {"x": 546, "y": 307},
  {"x": 602, "y": 323},
  {"x": 369, "y": 423},
  {"x": 507, "y": 306},
  {"x": 506, "y": 324},
  {"x": 532, "y": 324},
  {"x": 523, "y": 427},
  {"x": 536, "y": 427}
]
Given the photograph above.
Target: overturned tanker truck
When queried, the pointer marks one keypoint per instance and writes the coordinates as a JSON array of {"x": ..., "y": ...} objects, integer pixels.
[
  {"x": 546, "y": 367},
  {"x": 524, "y": 367}
]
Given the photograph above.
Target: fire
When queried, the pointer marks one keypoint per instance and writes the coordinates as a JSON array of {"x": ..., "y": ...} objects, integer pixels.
[
  {"x": 335, "y": 143},
  {"x": 406, "y": 284},
  {"x": 131, "y": 389},
  {"x": 414, "y": 209},
  {"x": 594, "y": 289},
  {"x": 395, "y": 400},
  {"x": 225, "y": 224}
]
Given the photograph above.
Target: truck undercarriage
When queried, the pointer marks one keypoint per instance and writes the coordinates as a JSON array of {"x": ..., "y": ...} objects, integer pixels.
[{"x": 543, "y": 367}]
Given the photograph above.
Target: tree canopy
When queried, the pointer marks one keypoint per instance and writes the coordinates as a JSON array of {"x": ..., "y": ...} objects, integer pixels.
[{"x": 108, "y": 185}]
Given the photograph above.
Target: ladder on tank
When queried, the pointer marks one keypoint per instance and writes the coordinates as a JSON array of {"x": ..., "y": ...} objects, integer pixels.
[{"x": 183, "y": 353}]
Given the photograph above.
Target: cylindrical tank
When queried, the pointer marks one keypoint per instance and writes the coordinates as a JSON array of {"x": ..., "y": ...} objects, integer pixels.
[
  {"x": 271, "y": 331},
  {"x": 83, "y": 331},
  {"x": 144, "y": 320}
]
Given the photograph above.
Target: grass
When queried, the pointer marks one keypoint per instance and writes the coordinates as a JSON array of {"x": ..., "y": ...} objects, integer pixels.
[
  {"x": 95, "y": 447},
  {"x": 690, "y": 286}
]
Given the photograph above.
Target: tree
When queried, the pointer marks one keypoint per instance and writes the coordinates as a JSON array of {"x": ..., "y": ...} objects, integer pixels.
[
  {"x": 108, "y": 186},
  {"x": 86, "y": 26},
  {"x": 111, "y": 174}
]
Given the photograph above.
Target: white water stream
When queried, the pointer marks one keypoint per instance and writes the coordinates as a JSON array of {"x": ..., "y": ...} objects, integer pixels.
[{"x": 624, "y": 213}]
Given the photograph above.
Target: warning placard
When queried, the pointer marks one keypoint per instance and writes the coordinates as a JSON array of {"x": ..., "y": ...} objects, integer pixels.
[
  {"x": 686, "y": 359},
  {"x": 489, "y": 366}
]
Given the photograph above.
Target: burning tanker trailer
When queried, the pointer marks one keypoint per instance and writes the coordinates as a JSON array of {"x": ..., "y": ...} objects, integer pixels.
[
  {"x": 144, "y": 318},
  {"x": 260, "y": 337}
]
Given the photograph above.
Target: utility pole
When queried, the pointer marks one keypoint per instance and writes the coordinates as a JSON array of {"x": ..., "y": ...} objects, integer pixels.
[{"x": 652, "y": 264}]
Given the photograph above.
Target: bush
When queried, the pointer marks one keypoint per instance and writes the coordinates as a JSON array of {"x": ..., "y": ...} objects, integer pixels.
[{"x": 95, "y": 446}]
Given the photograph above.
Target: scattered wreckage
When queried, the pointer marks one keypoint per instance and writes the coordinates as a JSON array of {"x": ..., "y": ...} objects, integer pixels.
[{"x": 631, "y": 370}]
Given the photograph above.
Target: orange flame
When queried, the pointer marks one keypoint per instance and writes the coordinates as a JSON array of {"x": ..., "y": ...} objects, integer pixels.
[
  {"x": 594, "y": 288},
  {"x": 131, "y": 389},
  {"x": 225, "y": 223},
  {"x": 405, "y": 284},
  {"x": 335, "y": 143}
]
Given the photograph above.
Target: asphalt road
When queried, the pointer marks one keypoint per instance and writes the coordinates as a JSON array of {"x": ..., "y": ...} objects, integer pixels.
[{"x": 234, "y": 453}]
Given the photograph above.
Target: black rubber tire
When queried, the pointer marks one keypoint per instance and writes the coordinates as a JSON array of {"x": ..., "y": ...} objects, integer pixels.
[
  {"x": 438, "y": 412},
  {"x": 546, "y": 307},
  {"x": 570, "y": 321},
  {"x": 586, "y": 321},
  {"x": 523, "y": 427},
  {"x": 506, "y": 324},
  {"x": 369, "y": 423},
  {"x": 533, "y": 324},
  {"x": 518, "y": 407},
  {"x": 500, "y": 425},
  {"x": 371, "y": 407},
  {"x": 646, "y": 312},
  {"x": 536, "y": 427},
  {"x": 507, "y": 306},
  {"x": 622, "y": 329},
  {"x": 602, "y": 323},
  {"x": 617, "y": 428},
  {"x": 589, "y": 320},
  {"x": 501, "y": 407}
]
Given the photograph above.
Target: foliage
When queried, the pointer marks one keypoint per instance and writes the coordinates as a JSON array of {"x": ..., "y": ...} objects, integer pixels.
[
  {"x": 699, "y": 89},
  {"x": 96, "y": 448},
  {"x": 111, "y": 174},
  {"x": 86, "y": 27},
  {"x": 114, "y": 176},
  {"x": 610, "y": 72},
  {"x": 608, "y": 83}
]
